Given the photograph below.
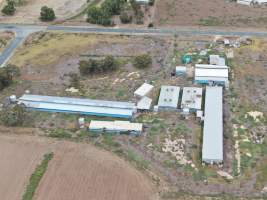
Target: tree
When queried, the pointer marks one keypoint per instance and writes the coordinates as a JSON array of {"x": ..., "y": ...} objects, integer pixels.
[
  {"x": 47, "y": 14},
  {"x": 142, "y": 61},
  {"x": 7, "y": 75},
  {"x": 14, "y": 116},
  {"x": 9, "y": 9},
  {"x": 125, "y": 18},
  {"x": 97, "y": 15},
  {"x": 109, "y": 63},
  {"x": 113, "y": 7}
]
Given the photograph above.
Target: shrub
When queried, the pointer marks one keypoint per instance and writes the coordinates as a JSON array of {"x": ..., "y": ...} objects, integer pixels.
[
  {"x": 98, "y": 66},
  {"x": 47, "y": 14},
  {"x": 7, "y": 75},
  {"x": 14, "y": 116},
  {"x": 142, "y": 61},
  {"x": 125, "y": 18},
  {"x": 9, "y": 9},
  {"x": 113, "y": 7}
]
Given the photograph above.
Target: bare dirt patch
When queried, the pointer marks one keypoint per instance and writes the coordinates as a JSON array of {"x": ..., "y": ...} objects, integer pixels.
[
  {"x": 29, "y": 11},
  {"x": 78, "y": 171},
  {"x": 211, "y": 13}
]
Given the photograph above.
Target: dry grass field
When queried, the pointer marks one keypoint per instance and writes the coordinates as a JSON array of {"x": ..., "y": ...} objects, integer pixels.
[
  {"x": 208, "y": 13},
  {"x": 78, "y": 171},
  {"x": 29, "y": 11}
]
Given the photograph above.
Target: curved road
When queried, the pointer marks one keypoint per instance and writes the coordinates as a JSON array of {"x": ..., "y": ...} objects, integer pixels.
[{"x": 22, "y": 31}]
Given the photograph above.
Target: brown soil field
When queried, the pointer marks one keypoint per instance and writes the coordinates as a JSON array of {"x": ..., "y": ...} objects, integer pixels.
[
  {"x": 78, "y": 171},
  {"x": 29, "y": 12},
  {"x": 215, "y": 13}
]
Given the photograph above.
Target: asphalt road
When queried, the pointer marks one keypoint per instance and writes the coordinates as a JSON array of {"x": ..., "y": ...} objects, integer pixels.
[{"x": 22, "y": 31}]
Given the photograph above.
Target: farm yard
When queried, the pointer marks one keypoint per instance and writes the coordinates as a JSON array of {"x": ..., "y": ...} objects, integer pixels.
[
  {"x": 168, "y": 152},
  {"x": 214, "y": 13}
]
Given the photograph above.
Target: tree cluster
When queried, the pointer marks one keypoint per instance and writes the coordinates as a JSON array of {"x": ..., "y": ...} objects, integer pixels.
[
  {"x": 47, "y": 14},
  {"x": 7, "y": 75},
  {"x": 9, "y": 8},
  {"x": 14, "y": 115},
  {"x": 102, "y": 15},
  {"x": 108, "y": 64},
  {"x": 142, "y": 61}
]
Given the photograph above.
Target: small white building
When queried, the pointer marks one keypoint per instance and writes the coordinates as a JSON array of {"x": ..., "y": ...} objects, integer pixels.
[
  {"x": 180, "y": 70},
  {"x": 216, "y": 60},
  {"x": 169, "y": 97},
  {"x": 144, "y": 103},
  {"x": 192, "y": 98},
  {"x": 116, "y": 127},
  {"x": 144, "y": 90}
]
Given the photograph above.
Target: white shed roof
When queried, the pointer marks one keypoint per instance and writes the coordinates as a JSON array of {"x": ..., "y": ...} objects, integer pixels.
[
  {"x": 144, "y": 103},
  {"x": 212, "y": 149},
  {"x": 169, "y": 96},
  {"x": 143, "y": 90},
  {"x": 192, "y": 98},
  {"x": 115, "y": 126}
]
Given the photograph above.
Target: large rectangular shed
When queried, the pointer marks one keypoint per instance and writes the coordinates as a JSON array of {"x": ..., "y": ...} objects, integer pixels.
[
  {"x": 215, "y": 74},
  {"x": 79, "y": 106},
  {"x": 116, "y": 127},
  {"x": 212, "y": 149},
  {"x": 169, "y": 97},
  {"x": 143, "y": 90}
]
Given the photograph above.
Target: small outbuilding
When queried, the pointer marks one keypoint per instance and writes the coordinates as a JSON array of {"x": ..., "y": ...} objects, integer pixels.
[
  {"x": 217, "y": 60},
  {"x": 169, "y": 97},
  {"x": 144, "y": 104},
  {"x": 192, "y": 98},
  {"x": 144, "y": 90},
  {"x": 180, "y": 70}
]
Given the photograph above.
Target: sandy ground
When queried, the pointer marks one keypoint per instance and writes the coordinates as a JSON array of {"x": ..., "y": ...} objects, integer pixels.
[
  {"x": 30, "y": 12},
  {"x": 189, "y": 13},
  {"x": 78, "y": 171}
]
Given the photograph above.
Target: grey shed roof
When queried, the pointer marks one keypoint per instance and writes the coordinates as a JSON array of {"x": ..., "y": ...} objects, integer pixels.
[
  {"x": 192, "y": 98},
  {"x": 169, "y": 96},
  {"x": 212, "y": 149}
]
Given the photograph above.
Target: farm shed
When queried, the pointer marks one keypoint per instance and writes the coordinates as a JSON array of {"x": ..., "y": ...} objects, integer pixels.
[
  {"x": 216, "y": 60},
  {"x": 78, "y": 106},
  {"x": 192, "y": 98},
  {"x": 144, "y": 104},
  {"x": 215, "y": 74},
  {"x": 169, "y": 97},
  {"x": 116, "y": 127},
  {"x": 144, "y": 90},
  {"x": 212, "y": 149}
]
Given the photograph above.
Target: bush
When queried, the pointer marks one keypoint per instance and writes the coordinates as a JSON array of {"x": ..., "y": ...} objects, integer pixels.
[
  {"x": 9, "y": 9},
  {"x": 14, "y": 116},
  {"x": 7, "y": 75},
  {"x": 113, "y": 7},
  {"x": 98, "y": 66},
  {"x": 142, "y": 61},
  {"x": 98, "y": 15},
  {"x": 125, "y": 18},
  {"x": 47, "y": 14}
]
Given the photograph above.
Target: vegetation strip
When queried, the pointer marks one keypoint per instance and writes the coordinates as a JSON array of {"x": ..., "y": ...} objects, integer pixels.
[{"x": 36, "y": 177}]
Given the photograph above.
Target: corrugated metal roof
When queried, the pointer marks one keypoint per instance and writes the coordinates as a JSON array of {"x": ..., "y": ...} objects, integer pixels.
[
  {"x": 203, "y": 72},
  {"x": 77, "y": 101},
  {"x": 79, "y": 106},
  {"x": 143, "y": 90},
  {"x": 115, "y": 126},
  {"x": 212, "y": 149},
  {"x": 169, "y": 96},
  {"x": 192, "y": 98}
]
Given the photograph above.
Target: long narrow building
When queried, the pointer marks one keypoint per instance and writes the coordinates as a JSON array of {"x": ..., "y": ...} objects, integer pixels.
[
  {"x": 79, "y": 106},
  {"x": 212, "y": 149}
]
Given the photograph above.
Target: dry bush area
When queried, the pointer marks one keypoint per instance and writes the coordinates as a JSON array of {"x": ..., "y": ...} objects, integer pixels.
[
  {"x": 211, "y": 13},
  {"x": 29, "y": 11},
  {"x": 78, "y": 171}
]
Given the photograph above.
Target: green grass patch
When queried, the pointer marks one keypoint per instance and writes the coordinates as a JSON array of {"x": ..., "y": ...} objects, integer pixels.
[
  {"x": 60, "y": 133},
  {"x": 36, "y": 177},
  {"x": 210, "y": 21},
  {"x": 140, "y": 162}
]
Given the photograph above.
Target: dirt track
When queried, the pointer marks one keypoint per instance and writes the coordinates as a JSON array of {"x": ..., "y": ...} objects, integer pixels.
[{"x": 78, "y": 171}]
